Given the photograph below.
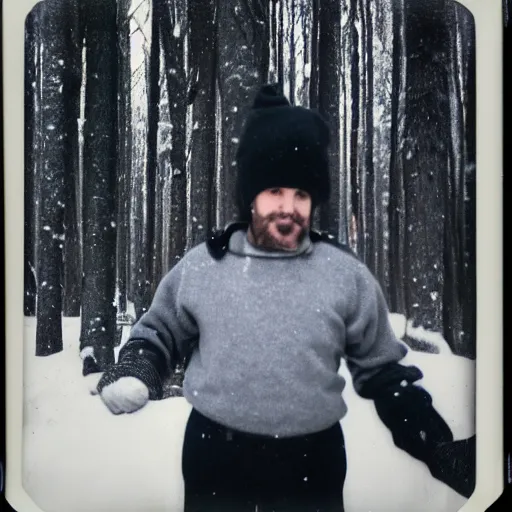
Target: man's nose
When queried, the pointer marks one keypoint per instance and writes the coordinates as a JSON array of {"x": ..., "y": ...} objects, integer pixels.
[{"x": 288, "y": 204}]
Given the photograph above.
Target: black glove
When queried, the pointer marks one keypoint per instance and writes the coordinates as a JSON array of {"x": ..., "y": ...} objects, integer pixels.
[
  {"x": 454, "y": 464},
  {"x": 415, "y": 425},
  {"x": 138, "y": 359},
  {"x": 407, "y": 411}
]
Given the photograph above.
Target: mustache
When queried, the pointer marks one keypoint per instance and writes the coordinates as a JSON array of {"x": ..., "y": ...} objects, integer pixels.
[{"x": 295, "y": 217}]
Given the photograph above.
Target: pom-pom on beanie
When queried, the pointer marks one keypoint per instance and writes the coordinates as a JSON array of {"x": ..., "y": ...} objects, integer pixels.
[{"x": 281, "y": 146}]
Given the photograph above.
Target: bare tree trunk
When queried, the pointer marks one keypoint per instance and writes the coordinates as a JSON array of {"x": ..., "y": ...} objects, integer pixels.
[
  {"x": 292, "y": 65},
  {"x": 173, "y": 37},
  {"x": 136, "y": 211},
  {"x": 313, "y": 87},
  {"x": 396, "y": 209},
  {"x": 306, "y": 36},
  {"x": 280, "y": 46},
  {"x": 202, "y": 17},
  {"x": 469, "y": 178},
  {"x": 454, "y": 197},
  {"x": 355, "y": 120},
  {"x": 381, "y": 22},
  {"x": 52, "y": 185},
  {"x": 374, "y": 241},
  {"x": 124, "y": 149},
  {"x": 100, "y": 135},
  {"x": 146, "y": 286},
  {"x": 331, "y": 216},
  {"x": 71, "y": 96},
  {"x": 273, "y": 39},
  {"x": 345, "y": 137},
  {"x": 425, "y": 162},
  {"x": 459, "y": 305},
  {"x": 243, "y": 47},
  {"x": 361, "y": 214},
  {"x": 31, "y": 150}
]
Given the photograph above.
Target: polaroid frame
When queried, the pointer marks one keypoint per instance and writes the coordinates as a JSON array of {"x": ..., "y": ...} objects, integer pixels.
[{"x": 489, "y": 373}]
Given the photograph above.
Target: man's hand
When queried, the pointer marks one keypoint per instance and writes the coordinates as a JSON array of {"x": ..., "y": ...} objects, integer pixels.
[{"x": 125, "y": 395}]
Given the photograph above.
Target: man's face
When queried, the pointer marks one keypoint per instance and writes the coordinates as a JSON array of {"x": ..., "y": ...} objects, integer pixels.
[{"x": 280, "y": 218}]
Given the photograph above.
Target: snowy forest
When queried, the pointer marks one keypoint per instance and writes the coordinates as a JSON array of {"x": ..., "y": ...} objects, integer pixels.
[{"x": 133, "y": 112}]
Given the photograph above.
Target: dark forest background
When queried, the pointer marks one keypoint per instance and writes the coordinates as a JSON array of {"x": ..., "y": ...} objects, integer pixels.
[{"x": 133, "y": 111}]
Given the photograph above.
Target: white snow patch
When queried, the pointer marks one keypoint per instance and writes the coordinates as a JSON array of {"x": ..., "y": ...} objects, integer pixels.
[
  {"x": 62, "y": 417},
  {"x": 177, "y": 30},
  {"x": 50, "y": 127}
]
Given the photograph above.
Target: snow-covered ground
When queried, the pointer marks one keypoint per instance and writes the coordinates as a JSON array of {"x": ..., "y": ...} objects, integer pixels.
[{"x": 78, "y": 457}]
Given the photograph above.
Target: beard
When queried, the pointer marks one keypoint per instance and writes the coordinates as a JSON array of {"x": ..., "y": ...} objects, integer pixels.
[{"x": 263, "y": 237}]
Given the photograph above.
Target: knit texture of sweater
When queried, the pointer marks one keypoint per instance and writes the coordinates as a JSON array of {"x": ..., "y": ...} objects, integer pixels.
[{"x": 268, "y": 331}]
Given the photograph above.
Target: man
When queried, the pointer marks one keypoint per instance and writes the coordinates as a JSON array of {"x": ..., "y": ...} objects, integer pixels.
[{"x": 265, "y": 311}]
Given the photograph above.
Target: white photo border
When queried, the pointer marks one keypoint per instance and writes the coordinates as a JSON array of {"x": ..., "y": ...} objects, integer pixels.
[{"x": 489, "y": 170}]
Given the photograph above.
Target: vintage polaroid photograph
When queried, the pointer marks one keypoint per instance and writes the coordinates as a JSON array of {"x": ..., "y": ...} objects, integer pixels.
[{"x": 254, "y": 249}]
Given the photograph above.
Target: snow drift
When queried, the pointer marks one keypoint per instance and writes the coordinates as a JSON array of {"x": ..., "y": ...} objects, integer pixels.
[{"x": 78, "y": 457}]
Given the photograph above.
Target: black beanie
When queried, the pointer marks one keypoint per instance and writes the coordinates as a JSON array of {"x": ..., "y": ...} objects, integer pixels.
[{"x": 282, "y": 146}]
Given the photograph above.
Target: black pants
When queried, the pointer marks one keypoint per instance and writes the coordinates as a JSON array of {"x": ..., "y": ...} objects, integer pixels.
[{"x": 228, "y": 471}]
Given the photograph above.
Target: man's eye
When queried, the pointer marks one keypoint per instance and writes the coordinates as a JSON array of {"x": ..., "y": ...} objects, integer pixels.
[
  {"x": 275, "y": 190},
  {"x": 302, "y": 194}
]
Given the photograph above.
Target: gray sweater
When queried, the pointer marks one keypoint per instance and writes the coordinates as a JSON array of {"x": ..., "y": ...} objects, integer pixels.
[{"x": 269, "y": 330}]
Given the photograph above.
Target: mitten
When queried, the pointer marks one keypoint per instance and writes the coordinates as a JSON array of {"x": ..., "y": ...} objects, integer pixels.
[
  {"x": 415, "y": 425},
  {"x": 407, "y": 411},
  {"x": 141, "y": 360},
  {"x": 454, "y": 464},
  {"x": 125, "y": 395}
]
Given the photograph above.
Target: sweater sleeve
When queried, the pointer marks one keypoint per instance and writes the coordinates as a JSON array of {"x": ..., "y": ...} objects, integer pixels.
[
  {"x": 167, "y": 325},
  {"x": 370, "y": 341},
  {"x": 162, "y": 335},
  {"x": 373, "y": 357}
]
